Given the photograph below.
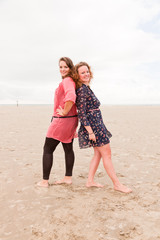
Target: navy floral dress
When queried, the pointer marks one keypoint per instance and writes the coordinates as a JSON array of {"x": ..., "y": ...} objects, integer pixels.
[{"x": 89, "y": 114}]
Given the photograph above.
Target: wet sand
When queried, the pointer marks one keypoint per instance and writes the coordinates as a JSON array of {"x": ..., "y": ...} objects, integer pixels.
[{"x": 75, "y": 212}]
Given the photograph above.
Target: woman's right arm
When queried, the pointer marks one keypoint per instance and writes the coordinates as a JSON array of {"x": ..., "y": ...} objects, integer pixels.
[{"x": 70, "y": 96}]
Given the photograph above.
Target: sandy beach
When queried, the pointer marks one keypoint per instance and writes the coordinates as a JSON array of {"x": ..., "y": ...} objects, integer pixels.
[{"x": 75, "y": 212}]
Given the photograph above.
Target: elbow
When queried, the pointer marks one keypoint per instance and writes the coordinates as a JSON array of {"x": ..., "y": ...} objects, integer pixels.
[{"x": 70, "y": 98}]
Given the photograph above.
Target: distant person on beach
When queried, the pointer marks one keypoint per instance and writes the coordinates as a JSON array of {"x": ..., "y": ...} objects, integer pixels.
[
  {"x": 92, "y": 131},
  {"x": 64, "y": 123}
]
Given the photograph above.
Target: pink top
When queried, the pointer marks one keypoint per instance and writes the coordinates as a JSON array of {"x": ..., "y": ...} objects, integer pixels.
[{"x": 64, "y": 129}]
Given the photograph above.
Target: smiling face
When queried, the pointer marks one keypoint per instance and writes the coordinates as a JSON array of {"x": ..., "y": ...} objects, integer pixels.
[
  {"x": 84, "y": 74},
  {"x": 63, "y": 68}
]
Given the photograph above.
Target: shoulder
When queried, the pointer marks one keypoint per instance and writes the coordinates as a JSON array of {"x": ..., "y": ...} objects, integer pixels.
[
  {"x": 83, "y": 89},
  {"x": 68, "y": 81}
]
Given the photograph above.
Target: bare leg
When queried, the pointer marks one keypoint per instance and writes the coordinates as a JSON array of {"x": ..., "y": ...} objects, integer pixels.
[
  {"x": 93, "y": 168},
  {"x": 105, "y": 152}
]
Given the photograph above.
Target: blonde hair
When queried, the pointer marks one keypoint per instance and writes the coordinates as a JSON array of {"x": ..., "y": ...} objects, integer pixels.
[{"x": 77, "y": 66}]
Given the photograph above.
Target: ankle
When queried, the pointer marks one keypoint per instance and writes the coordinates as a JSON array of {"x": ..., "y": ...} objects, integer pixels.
[
  {"x": 45, "y": 181},
  {"x": 68, "y": 177},
  {"x": 117, "y": 184},
  {"x": 90, "y": 181}
]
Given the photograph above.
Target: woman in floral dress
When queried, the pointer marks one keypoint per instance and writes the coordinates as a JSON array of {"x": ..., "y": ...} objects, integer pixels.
[{"x": 92, "y": 131}]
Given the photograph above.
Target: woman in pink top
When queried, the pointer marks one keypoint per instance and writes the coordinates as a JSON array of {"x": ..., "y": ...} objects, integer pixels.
[{"x": 64, "y": 123}]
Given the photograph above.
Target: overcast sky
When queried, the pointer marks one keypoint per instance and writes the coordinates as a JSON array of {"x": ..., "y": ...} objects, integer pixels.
[{"x": 120, "y": 39}]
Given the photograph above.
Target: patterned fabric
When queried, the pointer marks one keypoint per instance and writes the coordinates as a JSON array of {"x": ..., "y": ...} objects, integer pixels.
[{"x": 90, "y": 115}]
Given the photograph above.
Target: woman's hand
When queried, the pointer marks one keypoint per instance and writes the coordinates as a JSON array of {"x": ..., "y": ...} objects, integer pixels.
[
  {"x": 60, "y": 111},
  {"x": 92, "y": 137}
]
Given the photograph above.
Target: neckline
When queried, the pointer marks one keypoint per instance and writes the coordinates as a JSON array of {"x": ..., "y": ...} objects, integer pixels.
[{"x": 85, "y": 85}]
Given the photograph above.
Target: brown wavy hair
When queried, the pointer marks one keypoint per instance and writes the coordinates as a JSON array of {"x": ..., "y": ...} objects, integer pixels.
[
  {"x": 72, "y": 73},
  {"x": 77, "y": 66}
]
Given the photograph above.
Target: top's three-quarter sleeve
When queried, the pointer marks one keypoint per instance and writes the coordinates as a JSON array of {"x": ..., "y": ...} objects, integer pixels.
[
  {"x": 69, "y": 89},
  {"x": 81, "y": 105}
]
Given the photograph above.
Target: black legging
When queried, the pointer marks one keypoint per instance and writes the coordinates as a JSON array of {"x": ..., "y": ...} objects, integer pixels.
[{"x": 49, "y": 147}]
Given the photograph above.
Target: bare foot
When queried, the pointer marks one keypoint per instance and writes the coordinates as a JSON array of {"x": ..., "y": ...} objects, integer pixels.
[
  {"x": 65, "y": 180},
  {"x": 122, "y": 188},
  {"x": 93, "y": 184},
  {"x": 43, "y": 183}
]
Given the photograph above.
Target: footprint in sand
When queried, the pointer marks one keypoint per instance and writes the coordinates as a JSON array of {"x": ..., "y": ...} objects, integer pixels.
[
  {"x": 158, "y": 184},
  {"x": 37, "y": 232},
  {"x": 148, "y": 201},
  {"x": 100, "y": 174},
  {"x": 81, "y": 176},
  {"x": 120, "y": 175},
  {"x": 28, "y": 164},
  {"x": 130, "y": 231}
]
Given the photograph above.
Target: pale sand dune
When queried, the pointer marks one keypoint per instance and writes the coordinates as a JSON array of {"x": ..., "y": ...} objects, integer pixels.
[{"x": 74, "y": 212}]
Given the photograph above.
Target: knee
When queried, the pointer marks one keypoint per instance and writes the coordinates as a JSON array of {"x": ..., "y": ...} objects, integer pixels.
[
  {"x": 69, "y": 152},
  {"x": 68, "y": 149},
  {"x": 107, "y": 149},
  {"x": 106, "y": 154},
  {"x": 47, "y": 148}
]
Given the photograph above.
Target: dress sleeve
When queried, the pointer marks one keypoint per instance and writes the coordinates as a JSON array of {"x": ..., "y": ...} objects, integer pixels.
[
  {"x": 69, "y": 89},
  {"x": 81, "y": 105}
]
